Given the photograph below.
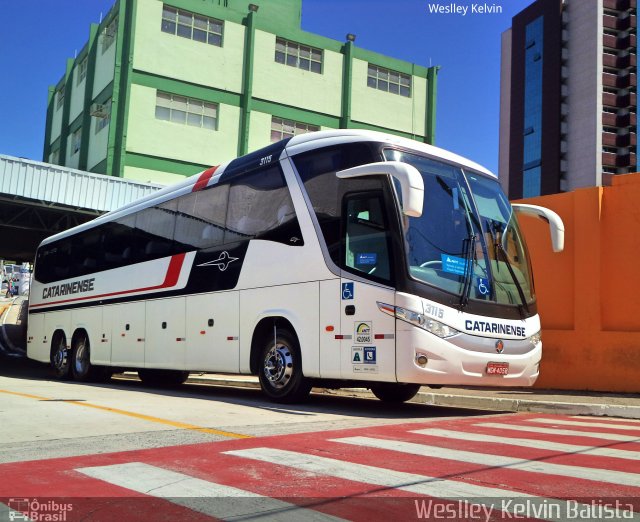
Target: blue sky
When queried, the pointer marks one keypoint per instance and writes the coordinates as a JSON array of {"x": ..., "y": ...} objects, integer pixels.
[{"x": 38, "y": 36}]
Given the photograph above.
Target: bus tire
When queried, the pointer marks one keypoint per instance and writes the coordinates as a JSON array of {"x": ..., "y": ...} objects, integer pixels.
[
  {"x": 280, "y": 369},
  {"x": 60, "y": 359},
  {"x": 395, "y": 391},
  {"x": 81, "y": 368},
  {"x": 163, "y": 378}
]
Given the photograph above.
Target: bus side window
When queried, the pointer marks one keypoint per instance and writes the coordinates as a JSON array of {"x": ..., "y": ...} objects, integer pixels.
[
  {"x": 201, "y": 218},
  {"x": 317, "y": 170},
  {"x": 260, "y": 206},
  {"x": 366, "y": 236},
  {"x": 156, "y": 226}
]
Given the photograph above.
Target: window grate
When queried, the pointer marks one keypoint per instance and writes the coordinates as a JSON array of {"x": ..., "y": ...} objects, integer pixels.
[
  {"x": 389, "y": 81},
  {"x": 297, "y": 55},
  {"x": 191, "y": 25}
]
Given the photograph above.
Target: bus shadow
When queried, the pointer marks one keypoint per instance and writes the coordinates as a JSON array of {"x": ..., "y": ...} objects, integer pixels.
[{"x": 332, "y": 401}]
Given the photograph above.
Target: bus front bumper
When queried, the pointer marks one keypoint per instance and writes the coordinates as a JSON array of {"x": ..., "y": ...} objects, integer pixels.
[{"x": 423, "y": 358}]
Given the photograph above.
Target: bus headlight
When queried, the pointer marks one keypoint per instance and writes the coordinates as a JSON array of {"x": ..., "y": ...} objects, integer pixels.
[
  {"x": 419, "y": 320},
  {"x": 535, "y": 338}
]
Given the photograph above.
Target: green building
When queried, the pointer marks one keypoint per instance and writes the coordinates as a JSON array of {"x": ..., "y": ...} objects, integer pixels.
[{"x": 162, "y": 90}]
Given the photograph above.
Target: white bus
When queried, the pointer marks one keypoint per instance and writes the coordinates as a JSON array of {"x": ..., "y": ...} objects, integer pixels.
[{"x": 335, "y": 258}]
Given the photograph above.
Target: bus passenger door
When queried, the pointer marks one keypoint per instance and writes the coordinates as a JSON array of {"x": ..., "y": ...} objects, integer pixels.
[{"x": 368, "y": 335}]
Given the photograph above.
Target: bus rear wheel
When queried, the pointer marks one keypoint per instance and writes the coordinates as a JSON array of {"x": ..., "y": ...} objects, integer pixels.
[
  {"x": 395, "y": 391},
  {"x": 60, "y": 361},
  {"x": 81, "y": 368},
  {"x": 163, "y": 378},
  {"x": 280, "y": 370}
]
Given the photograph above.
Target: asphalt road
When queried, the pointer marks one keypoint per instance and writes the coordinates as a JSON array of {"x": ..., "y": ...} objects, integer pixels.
[
  {"x": 124, "y": 451},
  {"x": 41, "y": 417}
]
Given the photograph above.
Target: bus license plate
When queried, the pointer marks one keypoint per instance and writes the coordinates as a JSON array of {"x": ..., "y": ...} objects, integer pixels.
[{"x": 496, "y": 368}]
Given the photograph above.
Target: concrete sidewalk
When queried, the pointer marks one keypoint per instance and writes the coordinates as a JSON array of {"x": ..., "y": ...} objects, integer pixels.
[{"x": 495, "y": 399}]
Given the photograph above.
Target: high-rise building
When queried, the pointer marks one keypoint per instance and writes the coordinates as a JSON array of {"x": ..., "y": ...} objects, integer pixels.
[
  {"x": 166, "y": 89},
  {"x": 568, "y": 96}
]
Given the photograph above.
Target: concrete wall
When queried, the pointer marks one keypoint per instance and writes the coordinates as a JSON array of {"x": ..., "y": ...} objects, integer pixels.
[
  {"x": 388, "y": 110},
  {"x": 589, "y": 295},
  {"x": 295, "y": 87},
  {"x": 151, "y": 136},
  {"x": 98, "y": 142},
  {"x": 194, "y": 62},
  {"x": 77, "y": 95},
  {"x": 56, "y": 122},
  {"x": 105, "y": 65}
]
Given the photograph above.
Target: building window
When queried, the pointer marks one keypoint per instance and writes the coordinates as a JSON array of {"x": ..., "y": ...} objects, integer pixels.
[
  {"x": 103, "y": 120},
  {"x": 76, "y": 140},
  {"x": 190, "y": 25},
  {"x": 533, "y": 104},
  {"x": 388, "y": 80},
  {"x": 82, "y": 71},
  {"x": 109, "y": 35},
  {"x": 297, "y": 55},
  {"x": 281, "y": 129},
  {"x": 187, "y": 111},
  {"x": 60, "y": 97}
]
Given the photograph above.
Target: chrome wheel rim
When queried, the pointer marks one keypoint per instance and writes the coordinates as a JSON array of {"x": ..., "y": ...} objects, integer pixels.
[
  {"x": 81, "y": 358},
  {"x": 60, "y": 357},
  {"x": 278, "y": 366}
]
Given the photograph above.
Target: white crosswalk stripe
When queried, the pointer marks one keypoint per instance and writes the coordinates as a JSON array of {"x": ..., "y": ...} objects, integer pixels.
[
  {"x": 608, "y": 419},
  {"x": 564, "y": 422},
  {"x": 196, "y": 494},
  {"x": 491, "y": 460},
  {"x": 497, "y": 468},
  {"x": 556, "y": 431},
  {"x": 414, "y": 483},
  {"x": 421, "y": 484},
  {"x": 532, "y": 443}
]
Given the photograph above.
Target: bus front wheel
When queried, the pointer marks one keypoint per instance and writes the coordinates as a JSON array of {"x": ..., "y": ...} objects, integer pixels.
[
  {"x": 395, "y": 391},
  {"x": 280, "y": 370}
]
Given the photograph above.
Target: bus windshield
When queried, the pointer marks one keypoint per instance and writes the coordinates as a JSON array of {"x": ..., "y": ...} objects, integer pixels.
[{"x": 467, "y": 241}]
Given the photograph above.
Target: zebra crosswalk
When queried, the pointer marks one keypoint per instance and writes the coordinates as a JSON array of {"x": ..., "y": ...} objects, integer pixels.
[{"x": 486, "y": 468}]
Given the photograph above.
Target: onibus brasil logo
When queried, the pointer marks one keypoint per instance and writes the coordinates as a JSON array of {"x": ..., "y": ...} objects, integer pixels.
[{"x": 35, "y": 510}]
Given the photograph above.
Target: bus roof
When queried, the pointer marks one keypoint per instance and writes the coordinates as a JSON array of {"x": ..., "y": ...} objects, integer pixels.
[
  {"x": 290, "y": 146},
  {"x": 314, "y": 140}
]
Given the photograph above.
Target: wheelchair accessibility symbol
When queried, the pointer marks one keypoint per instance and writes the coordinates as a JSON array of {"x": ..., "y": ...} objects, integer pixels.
[
  {"x": 483, "y": 286},
  {"x": 347, "y": 291}
]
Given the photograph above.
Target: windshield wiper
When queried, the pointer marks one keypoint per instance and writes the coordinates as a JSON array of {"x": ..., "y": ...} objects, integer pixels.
[
  {"x": 469, "y": 247},
  {"x": 495, "y": 229}
]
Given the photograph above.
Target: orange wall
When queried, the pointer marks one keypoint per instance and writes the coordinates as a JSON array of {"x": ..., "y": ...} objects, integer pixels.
[{"x": 589, "y": 295}]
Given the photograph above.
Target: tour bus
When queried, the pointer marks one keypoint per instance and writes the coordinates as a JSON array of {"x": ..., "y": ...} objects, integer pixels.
[{"x": 336, "y": 258}]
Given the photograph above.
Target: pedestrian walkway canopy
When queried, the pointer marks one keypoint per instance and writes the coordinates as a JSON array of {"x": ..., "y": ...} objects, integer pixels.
[{"x": 39, "y": 199}]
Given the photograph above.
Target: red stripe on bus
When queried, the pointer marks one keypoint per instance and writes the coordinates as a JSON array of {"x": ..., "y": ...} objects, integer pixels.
[
  {"x": 170, "y": 279},
  {"x": 204, "y": 178}
]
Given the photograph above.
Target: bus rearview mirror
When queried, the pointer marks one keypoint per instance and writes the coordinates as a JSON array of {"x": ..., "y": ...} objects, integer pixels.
[
  {"x": 411, "y": 183},
  {"x": 556, "y": 226}
]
